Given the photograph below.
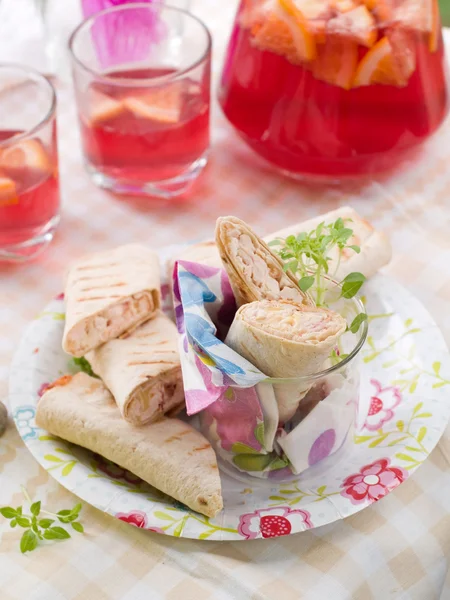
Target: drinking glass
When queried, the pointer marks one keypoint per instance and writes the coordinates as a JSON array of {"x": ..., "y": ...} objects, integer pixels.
[
  {"x": 29, "y": 189},
  {"x": 331, "y": 90},
  {"x": 331, "y": 409},
  {"x": 142, "y": 82}
]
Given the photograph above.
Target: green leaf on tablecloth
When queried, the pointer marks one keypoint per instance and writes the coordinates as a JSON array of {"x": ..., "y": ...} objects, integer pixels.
[
  {"x": 46, "y": 523},
  {"x": 8, "y": 512},
  {"x": 423, "y": 416},
  {"x": 378, "y": 441},
  {"x": 436, "y": 368},
  {"x": 417, "y": 408},
  {"x": 321, "y": 489},
  {"x": 401, "y": 425},
  {"x": 56, "y": 533},
  {"x": 78, "y": 527},
  {"x": 35, "y": 508},
  {"x": 28, "y": 542}
]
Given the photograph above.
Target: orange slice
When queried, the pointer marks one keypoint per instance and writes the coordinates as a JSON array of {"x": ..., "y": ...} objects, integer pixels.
[
  {"x": 283, "y": 30},
  {"x": 433, "y": 42},
  {"x": 162, "y": 105},
  {"x": 357, "y": 25},
  {"x": 103, "y": 108},
  {"x": 8, "y": 194},
  {"x": 26, "y": 154},
  {"x": 336, "y": 62},
  {"x": 390, "y": 62}
]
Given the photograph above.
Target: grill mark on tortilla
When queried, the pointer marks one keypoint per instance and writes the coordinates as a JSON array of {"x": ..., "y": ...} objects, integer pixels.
[
  {"x": 158, "y": 352},
  {"x": 92, "y": 267},
  {"x": 141, "y": 336},
  {"x": 205, "y": 447},
  {"x": 102, "y": 287},
  {"x": 177, "y": 437},
  {"x": 89, "y": 298},
  {"x": 151, "y": 362}
]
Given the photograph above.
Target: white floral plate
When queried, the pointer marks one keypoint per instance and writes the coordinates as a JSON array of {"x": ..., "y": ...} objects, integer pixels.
[{"x": 406, "y": 369}]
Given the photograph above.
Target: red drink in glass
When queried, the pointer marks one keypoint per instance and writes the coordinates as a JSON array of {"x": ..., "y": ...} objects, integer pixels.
[
  {"x": 146, "y": 134},
  {"x": 29, "y": 190},
  {"x": 142, "y": 80},
  {"x": 338, "y": 90}
]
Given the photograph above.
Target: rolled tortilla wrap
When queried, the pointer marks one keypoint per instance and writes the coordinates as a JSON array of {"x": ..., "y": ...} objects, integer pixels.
[
  {"x": 143, "y": 371},
  {"x": 285, "y": 340},
  {"x": 376, "y": 250},
  {"x": 169, "y": 455},
  {"x": 375, "y": 247},
  {"x": 108, "y": 294},
  {"x": 255, "y": 273}
]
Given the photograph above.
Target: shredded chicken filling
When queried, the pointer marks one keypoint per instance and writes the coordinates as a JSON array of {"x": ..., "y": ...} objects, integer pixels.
[
  {"x": 110, "y": 323},
  {"x": 260, "y": 267},
  {"x": 291, "y": 322}
]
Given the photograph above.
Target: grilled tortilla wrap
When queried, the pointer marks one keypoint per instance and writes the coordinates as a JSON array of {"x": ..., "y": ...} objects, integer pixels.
[
  {"x": 285, "y": 340},
  {"x": 375, "y": 247},
  {"x": 169, "y": 455},
  {"x": 108, "y": 294},
  {"x": 143, "y": 371},
  {"x": 255, "y": 273}
]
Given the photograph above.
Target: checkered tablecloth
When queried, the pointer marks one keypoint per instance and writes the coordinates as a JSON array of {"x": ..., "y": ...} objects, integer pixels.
[{"x": 398, "y": 548}]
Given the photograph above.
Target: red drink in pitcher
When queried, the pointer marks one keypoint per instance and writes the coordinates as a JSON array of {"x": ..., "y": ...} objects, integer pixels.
[
  {"x": 29, "y": 193},
  {"x": 145, "y": 134},
  {"x": 330, "y": 89}
]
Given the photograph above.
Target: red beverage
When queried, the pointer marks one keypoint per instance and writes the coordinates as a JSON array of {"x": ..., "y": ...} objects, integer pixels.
[
  {"x": 29, "y": 192},
  {"x": 145, "y": 132},
  {"x": 334, "y": 89}
]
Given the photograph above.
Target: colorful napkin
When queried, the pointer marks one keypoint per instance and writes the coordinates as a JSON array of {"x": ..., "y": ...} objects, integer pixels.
[{"x": 239, "y": 413}]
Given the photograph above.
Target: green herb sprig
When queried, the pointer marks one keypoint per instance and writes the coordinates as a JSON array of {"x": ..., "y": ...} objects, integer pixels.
[
  {"x": 38, "y": 528},
  {"x": 307, "y": 256}
]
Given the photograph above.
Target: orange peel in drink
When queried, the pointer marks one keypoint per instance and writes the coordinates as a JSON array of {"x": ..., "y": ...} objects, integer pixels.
[
  {"x": 390, "y": 62},
  {"x": 8, "y": 194}
]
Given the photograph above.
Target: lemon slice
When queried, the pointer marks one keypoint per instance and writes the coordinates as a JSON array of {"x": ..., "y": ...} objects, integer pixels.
[{"x": 8, "y": 194}]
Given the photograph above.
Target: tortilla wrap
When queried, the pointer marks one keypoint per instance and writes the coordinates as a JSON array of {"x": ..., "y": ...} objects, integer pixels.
[
  {"x": 108, "y": 294},
  {"x": 143, "y": 371},
  {"x": 169, "y": 455},
  {"x": 286, "y": 340},
  {"x": 375, "y": 247},
  {"x": 255, "y": 273}
]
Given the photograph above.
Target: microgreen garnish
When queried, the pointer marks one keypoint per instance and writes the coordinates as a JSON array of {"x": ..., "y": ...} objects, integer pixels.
[
  {"x": 37, "y": 528},
  {"x": 307, "y": 256},
  {"x": 84, "y": 365}
]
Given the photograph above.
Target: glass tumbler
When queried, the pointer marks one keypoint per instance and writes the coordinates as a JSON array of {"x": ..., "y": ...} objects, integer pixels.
[
  {"x": 142, "y": 82},
  {"x": 29, "y": 189}
]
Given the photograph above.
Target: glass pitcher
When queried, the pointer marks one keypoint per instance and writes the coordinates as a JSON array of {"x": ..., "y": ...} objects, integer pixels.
[{"x": 335, "y": 89}]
